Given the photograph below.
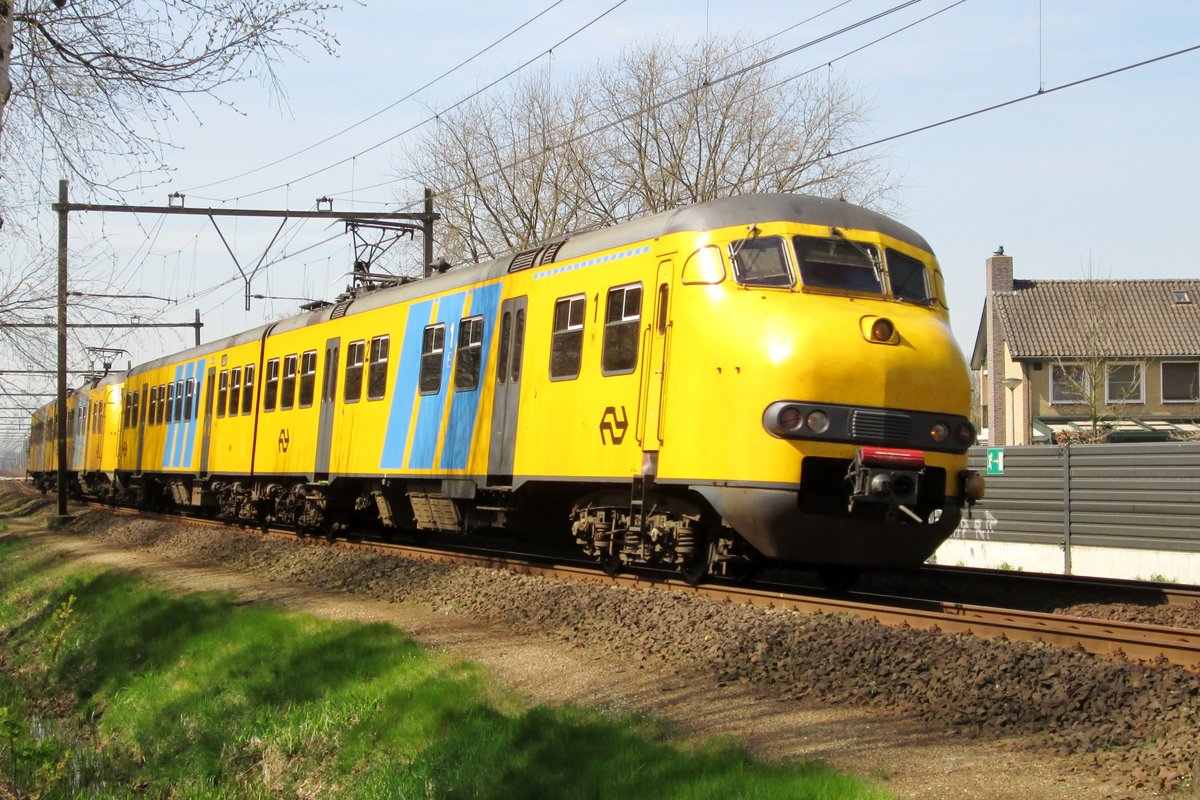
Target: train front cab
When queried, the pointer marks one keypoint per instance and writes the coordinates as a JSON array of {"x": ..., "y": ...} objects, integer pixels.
[{"x": 815, "y": 395}]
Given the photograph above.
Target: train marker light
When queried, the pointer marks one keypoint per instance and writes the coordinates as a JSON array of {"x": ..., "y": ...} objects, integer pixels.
[
  {"x": 939, "y": 432},
  {"x": 818, "y": 421}
]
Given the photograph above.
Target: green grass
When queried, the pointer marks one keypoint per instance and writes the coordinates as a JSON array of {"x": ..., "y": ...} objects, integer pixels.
[{"x": 111, "y": 688}]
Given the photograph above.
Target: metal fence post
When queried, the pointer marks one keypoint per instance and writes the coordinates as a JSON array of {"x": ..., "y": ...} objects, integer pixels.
[{"x": 1066, "y": 450}]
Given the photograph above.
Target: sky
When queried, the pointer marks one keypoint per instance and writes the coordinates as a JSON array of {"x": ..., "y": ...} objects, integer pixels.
[{"x": 1098, "y": 180}]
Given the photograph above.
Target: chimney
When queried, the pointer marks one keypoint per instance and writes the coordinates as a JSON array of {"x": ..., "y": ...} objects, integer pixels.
[{"x": 998, "y": 280}]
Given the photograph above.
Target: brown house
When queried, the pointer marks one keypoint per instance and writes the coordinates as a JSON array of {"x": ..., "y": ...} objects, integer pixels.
[{"x": 1086, "y": 360}]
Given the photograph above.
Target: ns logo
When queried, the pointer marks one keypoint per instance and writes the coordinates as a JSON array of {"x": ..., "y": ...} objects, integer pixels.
[
  {"x": 285, "y": 438},
  {"x": 612, "y": 427}
]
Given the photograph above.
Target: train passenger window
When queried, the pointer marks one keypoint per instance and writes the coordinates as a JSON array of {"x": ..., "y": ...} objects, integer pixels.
[
  {"x": 433, "y": 347},
  {"x": 146, "y": 417},
  {"x": 352, "y": 391},
  {"x": 502, "y": 360},
  {"x": 566, "y": 345},
  {"x": 271, "y": 387},
  {"x": 137, "y": 408},
  {"x": 907, "y": 278},
  {"x": 222, "y": 391},
  {"x": 760, "y": 261},
  {"x": 308, "y": 378},
  {"x": 235, "y": 390},
  {"x": 152, "y": 411},
  {"x": 377, "y": 371},
  {"x": 248, "y": 389},
  {"x": 170, "y": 403},
  {"x": 178, "y": 401},
  {"x": 189, "y": 398},
  {"x": 621, "y": 322},
  {"x": 469, "y": 356},
  {"x": 161, "y": 415},
  {"x": 287, "y": 397},
  {"x": 838, "y": 264},
  {"x": 124, "y": 413}
]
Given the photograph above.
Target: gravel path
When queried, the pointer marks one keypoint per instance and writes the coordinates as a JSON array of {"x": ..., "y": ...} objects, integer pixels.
[{"x": 930, "y": 715}]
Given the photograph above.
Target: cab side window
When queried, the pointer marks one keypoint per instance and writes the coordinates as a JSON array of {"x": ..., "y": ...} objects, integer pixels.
[{"x": 621, "y": 322}]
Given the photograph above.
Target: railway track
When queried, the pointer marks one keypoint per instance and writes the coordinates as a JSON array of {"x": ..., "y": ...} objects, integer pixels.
[{"x": 1136, "y": 642}]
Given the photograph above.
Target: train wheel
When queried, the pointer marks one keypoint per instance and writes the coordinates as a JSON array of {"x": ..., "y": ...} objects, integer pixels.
[
  {"x": 694, "y": 569},
  {"x": 611, "y": 564}
]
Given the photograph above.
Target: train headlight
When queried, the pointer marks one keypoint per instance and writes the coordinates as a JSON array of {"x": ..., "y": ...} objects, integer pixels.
[
  {"x": 818, "y": 421},
  {"x": 882, "y": 330},
  {"x": 939, "y": 432},
  {"x": 790, "y": 419}
]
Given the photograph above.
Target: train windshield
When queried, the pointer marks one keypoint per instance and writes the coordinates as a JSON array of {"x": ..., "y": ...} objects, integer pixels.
[
  {"x": 908, "y": 279},
  {"x": 838, "y": 264},
  {"x": 760, "y": 262}
]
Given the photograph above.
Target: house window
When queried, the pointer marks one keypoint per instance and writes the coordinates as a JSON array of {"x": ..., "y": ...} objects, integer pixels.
[
  {"x": 308, "y": 378},
  {"x": 1181, "y": 382},
  {"x": 271, "y": 387},
  {"x": 621, "y": 322},
  {"x": 1124, "y": 384},
  {"x": 377, "y": 371},
  {"x": 288, "y": 390},
  {"x": 352, "y": 391},
  {"x": 566, "y": 347},
  {"x": 470, "y": 349},
  {"x": 1069, "y": 384},
  {"x": 433, "y": 346},
  {"x": 248, "y": 390}
]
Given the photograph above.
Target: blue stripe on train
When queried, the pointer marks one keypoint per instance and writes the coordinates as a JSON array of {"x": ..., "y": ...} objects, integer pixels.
[
  {"x": 172, "y": 427},
  {"x": 405, "y": 390},
  {"x": 194, "y": 423},
  {"x": 433, "y": 406},
  {"x": 464, "y": 408}
]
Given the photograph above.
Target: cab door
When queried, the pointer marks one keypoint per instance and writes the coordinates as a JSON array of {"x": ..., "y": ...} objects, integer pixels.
[
  {"x": 507, "y": 393},
  {"x": 652, "y": 407}
]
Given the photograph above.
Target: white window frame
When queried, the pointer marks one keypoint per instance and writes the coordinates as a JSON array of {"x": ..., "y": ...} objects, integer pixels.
[
  {"x": 1161, "y": 383},
  {"x": 1070, "y": 401},
  {"x": 1137, "y": 399}
]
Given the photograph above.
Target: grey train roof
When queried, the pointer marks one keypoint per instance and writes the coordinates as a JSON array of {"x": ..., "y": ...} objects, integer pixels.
[{"x": 721, "y": 213}]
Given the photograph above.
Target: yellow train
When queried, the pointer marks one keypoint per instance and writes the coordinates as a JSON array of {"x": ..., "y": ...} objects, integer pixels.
[{"x": 760, "y": 376}]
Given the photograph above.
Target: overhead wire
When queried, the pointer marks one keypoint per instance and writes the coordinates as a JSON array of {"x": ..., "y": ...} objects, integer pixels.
[
  {"x": 386, "y": 108},
  {"x": 451, "y": 107}
]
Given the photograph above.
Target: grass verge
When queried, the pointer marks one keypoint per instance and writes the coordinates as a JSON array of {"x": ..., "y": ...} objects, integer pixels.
[{"x": 112, "y": 688}]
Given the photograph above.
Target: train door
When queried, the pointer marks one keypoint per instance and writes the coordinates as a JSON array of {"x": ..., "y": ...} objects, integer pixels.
[
  {"x": 328, "y": 397},
  {"x": 508, "y": 389},
  {"x": 211, "y": 380},
  {"x": 654, "y": 377}
]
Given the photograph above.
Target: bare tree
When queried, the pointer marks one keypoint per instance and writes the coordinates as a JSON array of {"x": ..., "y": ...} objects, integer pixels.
[
  {"x": 84, "y": 83},
  {"x": 664, "y": 125}
]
